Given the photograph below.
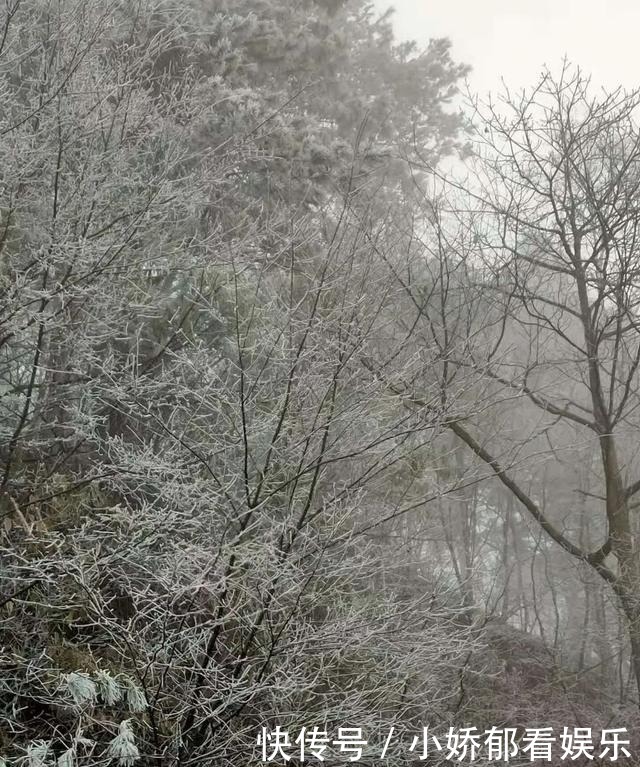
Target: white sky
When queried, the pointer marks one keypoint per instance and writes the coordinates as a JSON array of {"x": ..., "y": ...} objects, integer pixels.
[{"x": 513, "y": 39}]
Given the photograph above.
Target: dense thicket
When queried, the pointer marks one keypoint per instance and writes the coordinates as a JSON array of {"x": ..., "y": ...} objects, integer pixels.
[{"x": 194, "y": 457}]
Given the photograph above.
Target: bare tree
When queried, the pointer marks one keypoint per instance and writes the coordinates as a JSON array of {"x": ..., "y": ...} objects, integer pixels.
[{"x": 548, "y": 237}]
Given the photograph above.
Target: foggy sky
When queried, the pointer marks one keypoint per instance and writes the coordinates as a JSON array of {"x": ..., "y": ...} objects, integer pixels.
[{"x": 513, "y": 39}]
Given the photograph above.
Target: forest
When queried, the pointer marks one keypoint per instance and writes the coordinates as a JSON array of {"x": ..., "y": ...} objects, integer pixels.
[{"x": 319, "y": 395}]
